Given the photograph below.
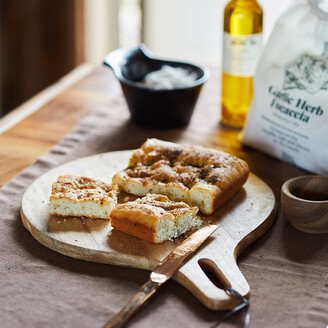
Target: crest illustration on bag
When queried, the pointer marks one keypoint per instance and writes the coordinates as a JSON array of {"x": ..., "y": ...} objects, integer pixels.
[{"x": 308, "y": 73}]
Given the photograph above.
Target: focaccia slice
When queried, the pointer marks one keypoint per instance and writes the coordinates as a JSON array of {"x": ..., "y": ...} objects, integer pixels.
[
  {"x": 198, "y": 176},
  {"x": 154, "y": 218},
  {"x": 82, "y": 196}
]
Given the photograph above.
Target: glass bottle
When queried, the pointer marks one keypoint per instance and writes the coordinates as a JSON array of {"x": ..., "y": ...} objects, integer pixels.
[{"x": 242, "y": 44}]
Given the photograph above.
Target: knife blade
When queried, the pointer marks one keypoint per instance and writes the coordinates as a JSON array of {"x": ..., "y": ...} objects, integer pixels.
[{"x": 163, "y": 272}]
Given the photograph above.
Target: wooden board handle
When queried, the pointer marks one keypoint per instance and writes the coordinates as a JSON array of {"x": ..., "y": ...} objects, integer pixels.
[{"x": 223, "y": 265}]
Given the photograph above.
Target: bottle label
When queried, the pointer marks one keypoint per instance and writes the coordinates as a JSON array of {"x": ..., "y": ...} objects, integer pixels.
[{"x": 241, "y": 53}]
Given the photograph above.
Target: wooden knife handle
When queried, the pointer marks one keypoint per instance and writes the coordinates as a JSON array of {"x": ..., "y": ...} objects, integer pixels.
[{"x": 144, "y": 293}]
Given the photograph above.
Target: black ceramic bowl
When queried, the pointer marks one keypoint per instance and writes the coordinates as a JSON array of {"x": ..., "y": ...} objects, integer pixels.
[{"x": 152, "y": 107}]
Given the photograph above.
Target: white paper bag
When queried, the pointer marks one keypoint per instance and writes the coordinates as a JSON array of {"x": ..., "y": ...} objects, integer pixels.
[{"x": 289, "y": 114}]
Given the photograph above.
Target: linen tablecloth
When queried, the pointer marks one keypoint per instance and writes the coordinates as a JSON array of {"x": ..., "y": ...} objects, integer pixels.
[{"x": 286, "y": 269}]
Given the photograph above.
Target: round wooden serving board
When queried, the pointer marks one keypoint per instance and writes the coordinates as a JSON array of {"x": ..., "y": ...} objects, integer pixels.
[{"x": 243, "y": 219}]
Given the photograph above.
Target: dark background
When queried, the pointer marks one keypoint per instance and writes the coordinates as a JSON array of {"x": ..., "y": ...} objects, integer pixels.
[{"x": 40, "y": 41}]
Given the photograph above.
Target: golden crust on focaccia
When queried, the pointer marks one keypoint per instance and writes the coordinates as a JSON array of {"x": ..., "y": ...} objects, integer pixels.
[
  {"x": 198, "y": 176},
  {"x": 154, "y": 218},
  {"x": 82, "y": 196}
]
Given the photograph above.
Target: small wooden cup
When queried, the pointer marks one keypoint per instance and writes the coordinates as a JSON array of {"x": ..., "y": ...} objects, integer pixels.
[{"x": 304, "y": 200}]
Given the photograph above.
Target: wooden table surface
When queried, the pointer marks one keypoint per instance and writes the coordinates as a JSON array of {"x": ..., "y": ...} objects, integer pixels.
[{"x": 33, "y": 128}]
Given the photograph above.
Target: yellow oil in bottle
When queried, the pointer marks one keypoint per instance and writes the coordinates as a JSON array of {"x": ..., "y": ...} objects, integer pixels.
[{"x": 242, "y": 44}]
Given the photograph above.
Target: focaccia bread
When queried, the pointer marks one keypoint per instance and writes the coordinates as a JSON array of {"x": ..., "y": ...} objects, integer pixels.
[
  {"x": 154, "y": 218},
  {"x": 82, "y": 196},
  {"x": 198, "y": 176}
]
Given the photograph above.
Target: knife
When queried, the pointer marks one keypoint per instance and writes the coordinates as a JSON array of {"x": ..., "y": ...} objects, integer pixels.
[{"x": 163, "y": 272}]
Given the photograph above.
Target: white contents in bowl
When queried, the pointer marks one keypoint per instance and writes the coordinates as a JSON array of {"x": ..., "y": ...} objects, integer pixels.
[{"x": 169, "y": 77}]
